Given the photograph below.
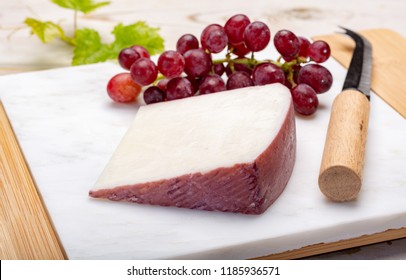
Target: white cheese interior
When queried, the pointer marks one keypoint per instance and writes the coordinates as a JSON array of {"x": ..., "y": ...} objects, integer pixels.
[{"x": 197, "y": 134}]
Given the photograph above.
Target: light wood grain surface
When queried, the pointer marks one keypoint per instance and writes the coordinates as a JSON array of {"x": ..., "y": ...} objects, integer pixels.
[
  {"x": 317, "y": 250},
  {"x": 26, "y": 231}
]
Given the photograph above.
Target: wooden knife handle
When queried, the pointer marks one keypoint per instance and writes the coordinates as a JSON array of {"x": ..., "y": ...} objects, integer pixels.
[{"x": 343, "y": 157}]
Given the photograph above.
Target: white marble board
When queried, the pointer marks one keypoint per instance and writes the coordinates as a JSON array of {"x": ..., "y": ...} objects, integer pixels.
[{"x": 68, "y": 129}]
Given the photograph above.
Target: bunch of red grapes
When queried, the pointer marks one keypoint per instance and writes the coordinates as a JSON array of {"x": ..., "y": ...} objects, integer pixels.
[{"x": 191, "y": 69}]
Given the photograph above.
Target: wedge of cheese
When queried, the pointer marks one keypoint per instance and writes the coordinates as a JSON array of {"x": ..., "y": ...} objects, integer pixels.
[{"x": 230, "y": 151}]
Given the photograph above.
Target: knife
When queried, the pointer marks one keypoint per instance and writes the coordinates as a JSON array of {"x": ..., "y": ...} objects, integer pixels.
[{"x": 342, "y": 163}]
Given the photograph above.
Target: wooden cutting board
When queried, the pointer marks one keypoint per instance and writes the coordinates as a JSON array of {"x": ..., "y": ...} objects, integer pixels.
[
  {"x": 26, "y": 231},
  {"x": 389, "y": 62},
  {"x": 26, "y": 228}
]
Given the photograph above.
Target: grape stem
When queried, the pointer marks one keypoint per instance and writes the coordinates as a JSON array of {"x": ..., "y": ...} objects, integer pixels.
[
  {"x": 289, "y": 77},
  {"x": 286, "y": 66},
  {"x": 68, "y": 40},
  {"x": 252, "y": 62}
]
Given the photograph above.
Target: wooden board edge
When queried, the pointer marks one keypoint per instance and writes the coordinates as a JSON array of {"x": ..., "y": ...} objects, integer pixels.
[
  {"x": 26, "y": 229},
  {"x": 322, "y": 248}
]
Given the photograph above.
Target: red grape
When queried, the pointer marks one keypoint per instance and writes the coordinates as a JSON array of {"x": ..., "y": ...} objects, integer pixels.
[
  {"x": 212, "y": 83},
  {"x": 304, "y": 99},
  {"x": 197, "y": 63},
  {"x": 257, "y": 36},
  {"x": 235, "y": 27},
  {"x": 191, "y": 70},
  {"x": 163, "y": 83},
  {"x": 187, "y": 42},
  {"x": 195, "y": 82},
  {"x": 171, "y": 64},
  {"x": 178, "y": 88},
  {"x": 316, "y": 76},
  {"x": 288, "y": 58},
  {"x": 304, "y": 46},
  {"x": 214, "y": 38},
  {"x": 267, "y": 73},
  {"x": 144, "y": 71},
  {"x": 219, "y": 69},
  {"x": 296, "y": 68},
  {"x": 240, "y": 49},
  {"x": 141, "y": 51},
  {"x": 239, "y": 79},
  {"x": 154, "y": 94},
  {"x": 127, "y": 57},
  {"x": 286, "y": 43},
  {"x": 319, "y": 51},
  {"x": 121, "y": 88}
]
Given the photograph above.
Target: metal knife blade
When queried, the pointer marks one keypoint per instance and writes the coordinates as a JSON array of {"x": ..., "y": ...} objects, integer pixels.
[
  {"x": 360, "y": 70},
  {"x": 342, "y": 164}
]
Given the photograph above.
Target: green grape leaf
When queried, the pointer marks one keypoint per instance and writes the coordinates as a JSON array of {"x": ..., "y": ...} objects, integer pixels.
[
  {"x": 138, "y": 33},
  {"x": 90, "y": 49},
  {"x": 45, "y": 30},
  {"x": 85, "y": 6}
]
